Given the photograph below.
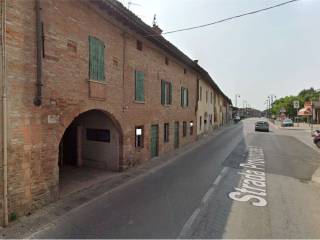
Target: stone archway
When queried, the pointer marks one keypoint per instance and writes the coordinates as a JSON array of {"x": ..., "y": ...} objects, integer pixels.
[{"x": 90, "y": 146}]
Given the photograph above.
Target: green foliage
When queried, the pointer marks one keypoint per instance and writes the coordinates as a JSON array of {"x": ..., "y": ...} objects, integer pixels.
[{"x": 287, "y": 102}]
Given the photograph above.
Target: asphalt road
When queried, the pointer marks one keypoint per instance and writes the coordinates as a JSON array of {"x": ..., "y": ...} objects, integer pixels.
[{"x": 189, "y": 198}]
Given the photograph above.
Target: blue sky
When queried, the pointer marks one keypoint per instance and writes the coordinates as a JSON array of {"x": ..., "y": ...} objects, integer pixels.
[{"x": 274, "y": 52}]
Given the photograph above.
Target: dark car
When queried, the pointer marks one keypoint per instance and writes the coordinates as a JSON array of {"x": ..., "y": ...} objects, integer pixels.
[
  {"x": 262, "y": 126},
  {"x": 287, "y": 123}
]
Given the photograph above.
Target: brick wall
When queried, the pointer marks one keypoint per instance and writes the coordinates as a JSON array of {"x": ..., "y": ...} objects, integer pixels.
[
  {"x": 1, "y": 119},
  {"x": 33, "y": 140}
]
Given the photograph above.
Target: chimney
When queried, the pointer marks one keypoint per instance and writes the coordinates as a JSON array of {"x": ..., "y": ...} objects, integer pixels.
[
  {"x": 196, "y": 61},
  {"x": 157, "y": 29}
]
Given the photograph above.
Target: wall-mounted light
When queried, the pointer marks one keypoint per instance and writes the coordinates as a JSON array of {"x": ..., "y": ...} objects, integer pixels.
[
  {"x": 191, "y": 124},
  {"x": 138, "y": 131}
]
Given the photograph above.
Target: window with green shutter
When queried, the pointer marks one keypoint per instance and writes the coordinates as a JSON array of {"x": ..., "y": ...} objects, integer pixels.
[
  {"x": 166, "y": 92},
  {"x": 184, "y": 97},
  {"x": 96, "y": 59},
  {"x": 139, "y": 86}
]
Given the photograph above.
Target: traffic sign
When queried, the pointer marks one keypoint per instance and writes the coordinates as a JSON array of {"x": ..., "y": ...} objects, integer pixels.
[
  {"x": 283, "y": 110},
  {"x": 296, "y": 104}
]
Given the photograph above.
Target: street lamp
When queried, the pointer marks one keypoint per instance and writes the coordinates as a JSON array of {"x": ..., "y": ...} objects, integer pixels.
[
  {"x": 236, "y": 99},
  {"x": 271, "y": 99}
]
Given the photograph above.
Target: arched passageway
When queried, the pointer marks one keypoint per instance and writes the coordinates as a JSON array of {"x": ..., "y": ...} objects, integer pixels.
[{"x": 89, "y": 149}]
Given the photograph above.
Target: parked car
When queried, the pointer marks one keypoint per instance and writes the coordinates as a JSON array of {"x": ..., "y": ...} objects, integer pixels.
[
  {"x": 237, "y": 119},
  {"x": 316, "y": 138},
  {"x": 287, "y": 123},
  {"x": 262, "y": 126}
]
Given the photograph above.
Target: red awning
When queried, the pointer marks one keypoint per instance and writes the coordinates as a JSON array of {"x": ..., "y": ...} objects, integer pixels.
[{"x": 305, "y": 112}]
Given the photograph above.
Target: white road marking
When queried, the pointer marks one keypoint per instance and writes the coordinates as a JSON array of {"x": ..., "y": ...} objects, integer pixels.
[
  {"x": 254, "y": 183},
  {"x": 207, "y": 195},
  {"x": 190, "y": 222},
  {"x": 187, "y": 226},
  {"x": 216, "y": 182}
]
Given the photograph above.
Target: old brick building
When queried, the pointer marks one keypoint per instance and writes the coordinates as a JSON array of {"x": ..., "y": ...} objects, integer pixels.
[{"x": 85, "y": 83}]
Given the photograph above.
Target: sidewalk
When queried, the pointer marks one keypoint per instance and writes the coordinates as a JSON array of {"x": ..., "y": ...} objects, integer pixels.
[
  {"x": 25, "y": 226},
  {"x": 298, "y": 126},
  {"x": 303, "y": 134}
]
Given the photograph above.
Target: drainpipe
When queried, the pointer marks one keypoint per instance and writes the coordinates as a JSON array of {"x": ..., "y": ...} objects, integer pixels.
[
  {"x": 39, "y": 38},
  {"x": 124, "y": 35},
  {"x": 4, "y": 120}
]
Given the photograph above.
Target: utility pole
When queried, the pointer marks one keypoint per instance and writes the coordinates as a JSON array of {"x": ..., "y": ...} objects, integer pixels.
[
  {"x": 271, "y": 99},
  {"x": 236, "y": 99}
]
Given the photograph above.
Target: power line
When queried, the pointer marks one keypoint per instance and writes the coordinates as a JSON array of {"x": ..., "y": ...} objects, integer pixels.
[{"x": 231, "y": 18}]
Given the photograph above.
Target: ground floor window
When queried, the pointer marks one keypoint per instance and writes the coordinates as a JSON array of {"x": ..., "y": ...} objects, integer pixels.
[
  {"x": 139, "y": 132},
  {"x": 166, "y": 132},
  {"x": 191, "y": 128},
  {"x": 184, "y": 129},
  {"x": 98, "y": 135}
]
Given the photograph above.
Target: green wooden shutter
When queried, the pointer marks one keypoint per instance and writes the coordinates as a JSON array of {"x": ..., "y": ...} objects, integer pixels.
[
  {"x": 170, "y": 94},
  {"x": 182, "y": 97},
  {"x": 163, "y": 90},
  {"x": 92, "y": 60},
  {"x": 139, "y": 93},
  {"x": 100, "y": 64},
  {"x": 96, "y": 59},
  {"x": 187, "y": 97}
]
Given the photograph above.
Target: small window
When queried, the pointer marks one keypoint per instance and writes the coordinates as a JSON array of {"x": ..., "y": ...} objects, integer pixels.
[
  {"x": 184, "y": 129},
  {"x": 139, "y": 45},
  {"x": 98, "y": 135},
  {"x": 185, "y": 71},
  {"x": 211, "y": 98},
  {"x": 139, "y": 133},
  {"x": 166, "y": 93},
  {"x": 191, "y": 128},
  {"x": 166, "y": 132},
  {"x": 167, "y": 61},
  {"x": 200, "y": 94},
  {"x": 200, "y": 123}
]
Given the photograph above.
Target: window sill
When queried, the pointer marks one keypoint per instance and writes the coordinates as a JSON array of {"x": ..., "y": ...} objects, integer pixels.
[
  {"x": 103, "y": 82},
  {"x": 139, "y": 102},
  {"x": 166, "y": 105}
]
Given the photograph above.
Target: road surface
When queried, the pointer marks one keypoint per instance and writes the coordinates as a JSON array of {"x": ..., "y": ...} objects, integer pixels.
[{"x": 207, "y": 194}]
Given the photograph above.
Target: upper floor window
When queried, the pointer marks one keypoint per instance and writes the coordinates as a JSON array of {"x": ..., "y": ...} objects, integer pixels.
[
  {"x": 139, "y": 86},
  {"x": 96, "y": 59},
  {"x": 139, "y": 45},
  {"x": 166, "y": 93},
  {"x": 206, "y": 96},
  {"x": 167, "y": 61},
  {"x": 211, "y": 98},
  {"x": 185, "y": 71},
  {"x": 200, "y": 93},
  {"x": 184, "y": 97}
]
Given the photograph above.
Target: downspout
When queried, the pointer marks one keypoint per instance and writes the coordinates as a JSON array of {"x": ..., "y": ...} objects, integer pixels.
[
  {"x": 4, "y": 120},
  {"x": 121, "y": 166},
  {"x": 39, "y": 41}
]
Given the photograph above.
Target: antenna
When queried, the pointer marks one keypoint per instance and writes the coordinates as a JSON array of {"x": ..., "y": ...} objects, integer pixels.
[
  {"x": 130, "y": 3},
  {"x": 154, "y": 22}
]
